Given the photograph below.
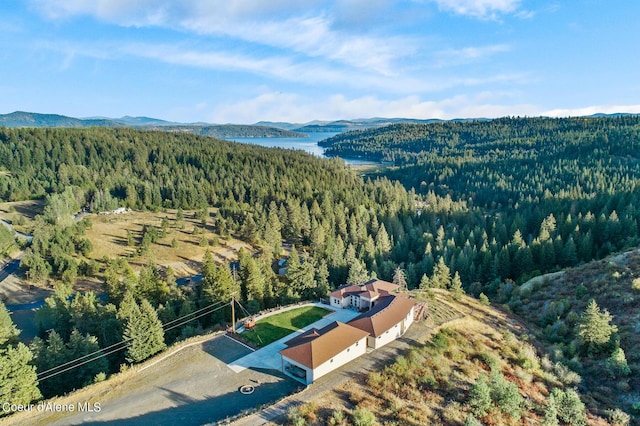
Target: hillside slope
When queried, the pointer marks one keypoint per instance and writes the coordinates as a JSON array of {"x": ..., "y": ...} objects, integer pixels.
[
  {"x": 437, "y": 380},
  {"x": 554, "y": 306}
]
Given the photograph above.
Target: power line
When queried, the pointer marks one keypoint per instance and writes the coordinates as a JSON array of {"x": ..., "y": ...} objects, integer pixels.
[{"x": 101, "y": 352}]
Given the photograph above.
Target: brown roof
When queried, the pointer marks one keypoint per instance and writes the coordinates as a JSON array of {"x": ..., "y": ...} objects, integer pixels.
[
  {"x": 369, "y": 289},
  {"x": 313, "y": 350},
  {"x": 389, "y": 311}
]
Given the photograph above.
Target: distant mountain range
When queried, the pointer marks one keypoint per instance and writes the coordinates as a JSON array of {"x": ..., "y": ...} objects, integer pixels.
[
  {"x": 222, "y": 131},
  {"x": 262, "y": 129}
]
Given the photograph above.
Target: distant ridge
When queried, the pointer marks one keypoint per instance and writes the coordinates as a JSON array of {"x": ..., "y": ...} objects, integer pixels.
[
  {"x": 222, "y": 131},
  {"x": 261, "y": 129}
]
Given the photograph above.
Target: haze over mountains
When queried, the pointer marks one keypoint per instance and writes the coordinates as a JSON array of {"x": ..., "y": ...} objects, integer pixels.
[{"x": 261, "y": 129}]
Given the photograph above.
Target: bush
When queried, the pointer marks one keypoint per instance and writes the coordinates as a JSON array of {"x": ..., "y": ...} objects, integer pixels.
[
  {"x": 484, "y": 299},
  {"x": 294, "y": 417},
  {"x": 618, "y": 417},
  {"x": 363, "y": 417},
  {"x": 617, "y": 364},
  {"x": 570, "y": 409},
  {"x": 506, "y": 396},
  {"x": 636, "y": 284},
  {"x": 440, "y": 342},
  {"x": 480, "y": 397},
  {"x": 336, "y": 419}
]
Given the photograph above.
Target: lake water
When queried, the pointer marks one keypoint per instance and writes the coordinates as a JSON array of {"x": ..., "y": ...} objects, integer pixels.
[{"x": 309, "y": 144}]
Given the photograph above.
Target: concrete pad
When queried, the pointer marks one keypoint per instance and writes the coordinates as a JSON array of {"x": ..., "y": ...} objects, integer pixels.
[{"x": 268, "y": 357}]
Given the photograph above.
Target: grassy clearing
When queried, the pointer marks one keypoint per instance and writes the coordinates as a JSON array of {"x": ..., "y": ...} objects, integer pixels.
[
  {"x": 182, "y": 247},
  {"x": 21, "y": 213},
  {"x": 277, "y": 326}
]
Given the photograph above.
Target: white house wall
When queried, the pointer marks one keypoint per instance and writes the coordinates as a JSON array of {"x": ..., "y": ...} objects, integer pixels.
[
  {"x": 347, "y": 355},
  {"x": 388, "y": 336},
  {"x": 337, "y": 302}
]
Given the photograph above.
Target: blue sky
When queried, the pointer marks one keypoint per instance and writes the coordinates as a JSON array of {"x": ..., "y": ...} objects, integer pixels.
[{"x": 300, "y": 60}]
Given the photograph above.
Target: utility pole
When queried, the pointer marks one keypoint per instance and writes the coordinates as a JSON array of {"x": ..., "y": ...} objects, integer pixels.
[{"x": 233, "y": 316}]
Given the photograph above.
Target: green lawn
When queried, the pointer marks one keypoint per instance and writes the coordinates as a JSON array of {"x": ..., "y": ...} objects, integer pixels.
[{"x": 277, "y": 326}]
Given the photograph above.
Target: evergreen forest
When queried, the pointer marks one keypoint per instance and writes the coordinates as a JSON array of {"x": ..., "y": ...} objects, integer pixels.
[{"x": 478, "y": 206}]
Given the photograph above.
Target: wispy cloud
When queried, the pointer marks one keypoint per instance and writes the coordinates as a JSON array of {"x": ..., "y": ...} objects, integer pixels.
[
  {"x": 282, "y": 25},
  {"x": 297, "y": 108},
  {"x": 466, "y": 55},
  {"x": 483, "y": 9}
]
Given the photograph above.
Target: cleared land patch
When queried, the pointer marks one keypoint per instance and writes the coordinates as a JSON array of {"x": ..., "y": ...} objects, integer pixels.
[{"x": 181, "y": 243}]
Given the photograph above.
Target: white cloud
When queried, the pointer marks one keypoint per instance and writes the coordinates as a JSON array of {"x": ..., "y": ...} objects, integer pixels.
[
  {"x": 292, "y": 107},
  {"x": 484, "y": 9},
  {"x": 466, "y": 55},
  {"x": 289, "y": 25},
  {"x": 594, "y": 109}
]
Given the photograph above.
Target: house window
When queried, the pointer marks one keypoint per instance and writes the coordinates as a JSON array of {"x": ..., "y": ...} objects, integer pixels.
[
  {"x": 331, "y": 360},
  {"x": 348, "y": 349},
  {"x": 357, "y": 343}
]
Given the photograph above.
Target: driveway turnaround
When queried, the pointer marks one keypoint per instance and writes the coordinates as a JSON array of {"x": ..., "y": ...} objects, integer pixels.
[
  {"x": 269, "y": 358},
  {"x": 192, "y": 387}
]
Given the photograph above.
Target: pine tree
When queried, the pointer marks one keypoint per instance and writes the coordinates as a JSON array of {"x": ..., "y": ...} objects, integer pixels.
[
  {"x": 456, "y": 286},
  {"x": 48, "y": 354},
  {"x": 480, "y": 397},
  {"x": 144, "y": 333},
  {"x": 551, "y": 412},
  {"x": 383, "y": 244},
  {"x": 425, "y": 283},
  {"x": 357, "y": 273},
  {"x": 79, "y": 346},
  {"x": 595, "y": 328},
  {"x": 8, "y": 330},
  {"x": 441, "y": 275},
  {"x": 18, "y": 378},
  {"x": 617, "y": 364}
]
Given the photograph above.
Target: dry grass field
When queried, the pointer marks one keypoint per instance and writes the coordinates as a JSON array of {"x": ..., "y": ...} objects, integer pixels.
[
  {"x": 21, "y": 213},
  {"x": 182, "y": 248}
]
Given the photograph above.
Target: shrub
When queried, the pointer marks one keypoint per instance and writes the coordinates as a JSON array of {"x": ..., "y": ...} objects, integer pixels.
[
  {"x": 484, "y": 299},
  {"x": 636, "y": 284},
  {"x": 363, "y": 417},
  {"x": 440, "y": 342},
  {"x": 618, "y": 417},
  {"x": 617, "y": 364},
  {"x": 480, "y": 397},
  {"x": 294, "y": 417},
  {"x": 337, "y": 418},
  {"x": 471, "y": 421},
  {"x": 506, "y": 396},
  {"x": 570, "y": 409}
]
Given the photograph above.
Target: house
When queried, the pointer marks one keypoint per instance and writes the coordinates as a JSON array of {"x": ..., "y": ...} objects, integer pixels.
[
  {"x": 282, "y": 266},
  {"x": 317, "y": 352},
  {"x": 387, "y": 320},
  {"x": 361, "y": 297}
]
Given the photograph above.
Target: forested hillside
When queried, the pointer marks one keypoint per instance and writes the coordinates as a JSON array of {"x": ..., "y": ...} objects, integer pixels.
[{"x": 482, "y": 214}]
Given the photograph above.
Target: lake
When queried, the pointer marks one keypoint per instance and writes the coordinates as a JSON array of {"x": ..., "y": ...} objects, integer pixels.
[{"x": 308, "y": 144}]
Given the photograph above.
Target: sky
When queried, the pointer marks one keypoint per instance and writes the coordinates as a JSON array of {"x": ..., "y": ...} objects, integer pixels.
[{"x": 234, "y": 61}]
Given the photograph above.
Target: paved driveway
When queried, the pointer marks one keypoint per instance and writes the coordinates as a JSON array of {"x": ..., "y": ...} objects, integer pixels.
[{"x": 268, "y": 357}]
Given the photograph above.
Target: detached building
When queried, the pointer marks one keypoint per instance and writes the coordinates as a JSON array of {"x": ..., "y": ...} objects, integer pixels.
[{"x": 315, "y": 353}]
